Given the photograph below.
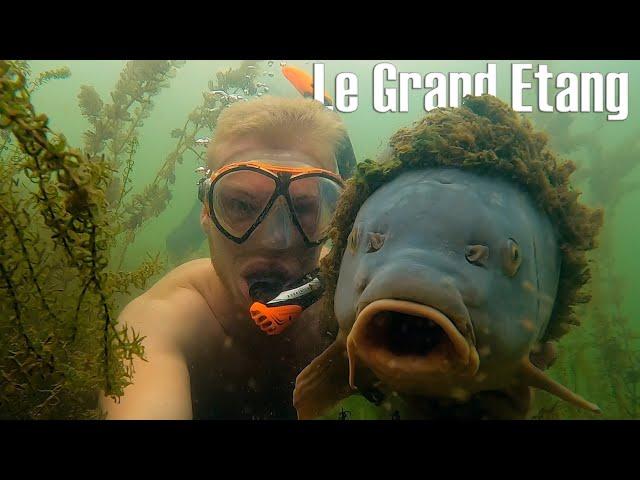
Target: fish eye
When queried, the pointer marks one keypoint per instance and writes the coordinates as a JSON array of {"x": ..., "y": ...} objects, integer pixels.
[
  {"x": 375, "y": 242},
  {"x": 477, "y": 254},
  {"x": 512, "y": 257}
]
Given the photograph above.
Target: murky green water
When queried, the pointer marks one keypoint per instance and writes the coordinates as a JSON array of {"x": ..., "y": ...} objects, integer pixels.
[{"x": 586, "y": 363}]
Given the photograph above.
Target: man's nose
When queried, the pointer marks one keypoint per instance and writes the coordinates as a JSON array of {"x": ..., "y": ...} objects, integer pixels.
[{"x": 277, "y": 231}]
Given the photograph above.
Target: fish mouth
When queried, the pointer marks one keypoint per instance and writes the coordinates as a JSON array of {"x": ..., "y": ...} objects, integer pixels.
[{"x": 411, "y": 346}]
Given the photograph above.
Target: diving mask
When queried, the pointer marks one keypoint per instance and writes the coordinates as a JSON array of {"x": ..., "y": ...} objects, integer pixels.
[{"x": 240, "y": 195}]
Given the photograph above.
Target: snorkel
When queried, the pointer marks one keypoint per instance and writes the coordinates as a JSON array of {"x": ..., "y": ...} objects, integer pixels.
[{"x": 274, "y": 316}]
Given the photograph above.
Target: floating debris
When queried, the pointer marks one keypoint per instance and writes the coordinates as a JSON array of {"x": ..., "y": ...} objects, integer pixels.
[
  {"x": 203, "y": 142},
  {"x": 270, "y": 63}
]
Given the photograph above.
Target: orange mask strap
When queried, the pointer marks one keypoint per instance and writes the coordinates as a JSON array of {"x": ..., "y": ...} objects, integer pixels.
[{"x": 275, "y": 169}]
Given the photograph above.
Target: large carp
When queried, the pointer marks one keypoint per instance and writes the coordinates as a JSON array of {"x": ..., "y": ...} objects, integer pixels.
[{"x": 448, "y": 275}]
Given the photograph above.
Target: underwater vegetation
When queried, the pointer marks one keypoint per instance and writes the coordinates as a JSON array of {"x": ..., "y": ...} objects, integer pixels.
[
  {"x": 64, "y": 213},
  {"x": 232, "y": 85},
  {"x": 60, "y": 343},
  {"x": 114, "y": 129},
  {"x": 602, "y": 358}
]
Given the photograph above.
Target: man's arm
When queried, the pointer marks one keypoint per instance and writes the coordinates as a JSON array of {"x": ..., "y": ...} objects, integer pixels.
[{"x": 160, "y": 388}]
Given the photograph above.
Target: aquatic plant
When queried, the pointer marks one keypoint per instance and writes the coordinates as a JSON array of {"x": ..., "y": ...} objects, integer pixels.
[
  {"x": 239, "y": 79},
  {"x": 63, "y": 213},
  {"x": 154, "y": 197},
  {"x": 47, "y": 76},
  {"x": 114, "y": 124},
  {"x": 604, "y": 355},
  {"x": 60, "y": 341}
]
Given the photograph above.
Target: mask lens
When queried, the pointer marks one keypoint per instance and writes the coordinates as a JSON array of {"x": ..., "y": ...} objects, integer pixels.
[
  {"x": 238, "y": 199},
  {"x": 314, "y": 202}
]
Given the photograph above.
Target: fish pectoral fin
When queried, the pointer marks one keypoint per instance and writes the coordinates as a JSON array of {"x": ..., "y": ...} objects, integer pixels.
[
  {"x": 323, "y": 383},
  {"x": 536, "y": 378}
]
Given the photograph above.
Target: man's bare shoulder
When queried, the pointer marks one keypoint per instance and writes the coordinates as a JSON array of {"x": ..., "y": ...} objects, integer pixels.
[
  {"x": 176, "y": 307},
  {"x": 189, "y": 276}
]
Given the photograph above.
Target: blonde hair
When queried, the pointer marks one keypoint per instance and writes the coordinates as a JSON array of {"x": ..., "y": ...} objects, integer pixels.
[{"x": 280, "y": 123}]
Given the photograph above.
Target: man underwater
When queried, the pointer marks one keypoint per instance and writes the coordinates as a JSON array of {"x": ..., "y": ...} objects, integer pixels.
[{"x": 267, "y": 203}]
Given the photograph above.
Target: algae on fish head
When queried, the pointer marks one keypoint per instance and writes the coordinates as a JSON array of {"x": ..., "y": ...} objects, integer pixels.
[{"x": 484, "y": 136}]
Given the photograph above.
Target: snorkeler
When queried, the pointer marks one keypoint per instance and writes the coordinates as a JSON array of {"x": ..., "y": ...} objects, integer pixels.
[
  {"x": 268, "y": 197},
  {"x": 186, "y": 237}
]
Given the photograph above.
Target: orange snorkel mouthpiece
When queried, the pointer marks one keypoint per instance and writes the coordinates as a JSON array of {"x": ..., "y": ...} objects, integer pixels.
[
  {"x": 274, "y": 316},
  {"x": 274, "y": 320}
]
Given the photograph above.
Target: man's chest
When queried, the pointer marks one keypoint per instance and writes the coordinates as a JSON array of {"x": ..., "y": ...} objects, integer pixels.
[{"x": 239, "y": 384}]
